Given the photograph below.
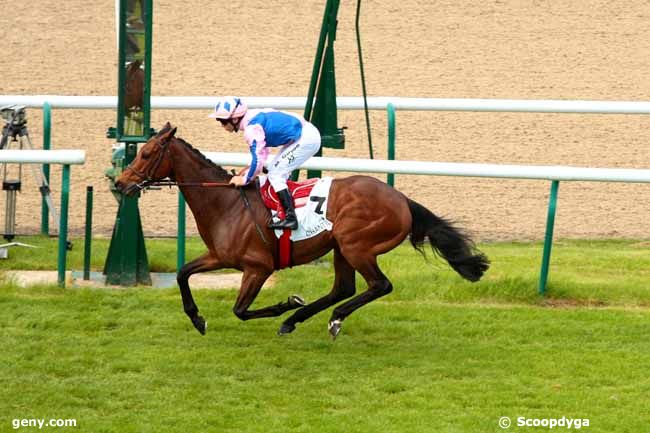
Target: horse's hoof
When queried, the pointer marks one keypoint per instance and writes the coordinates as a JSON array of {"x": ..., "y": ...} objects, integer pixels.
[
  {"x": 285, "y": 329},
  {"x": 334, "y": 328},
  {"x": 296, "y": 301},
  {"x": 200, "y": 324}
]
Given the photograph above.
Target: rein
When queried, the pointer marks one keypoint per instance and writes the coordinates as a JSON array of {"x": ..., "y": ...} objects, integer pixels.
[
  {"x": 171, "y": 183},
  {"x": 247, "y": 203},
  {"x": 148, "y": 174}
]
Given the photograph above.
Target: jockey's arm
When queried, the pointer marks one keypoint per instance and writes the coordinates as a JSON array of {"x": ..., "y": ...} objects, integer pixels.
[{"x": 256, "y": 139}]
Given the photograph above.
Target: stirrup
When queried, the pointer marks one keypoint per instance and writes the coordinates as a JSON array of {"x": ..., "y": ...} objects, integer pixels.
[{"x": 287, "y": 223}]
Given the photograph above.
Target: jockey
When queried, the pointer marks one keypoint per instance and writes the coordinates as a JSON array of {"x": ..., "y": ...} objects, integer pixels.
[{"x": 297, "y": 139}]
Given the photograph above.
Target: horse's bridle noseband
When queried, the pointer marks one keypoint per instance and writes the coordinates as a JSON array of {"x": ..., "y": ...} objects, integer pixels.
[{"x": 146, "y": 177}]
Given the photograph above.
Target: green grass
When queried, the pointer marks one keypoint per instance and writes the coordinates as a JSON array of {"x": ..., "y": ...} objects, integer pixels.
[
  {"x": 581, "y": 272},
  {"x": 129, "y": 361},
  {"x": 437, "y": 355}
]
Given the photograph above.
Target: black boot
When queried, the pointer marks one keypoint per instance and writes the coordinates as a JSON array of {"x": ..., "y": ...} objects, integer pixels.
[{"x": 290, "y": 220}]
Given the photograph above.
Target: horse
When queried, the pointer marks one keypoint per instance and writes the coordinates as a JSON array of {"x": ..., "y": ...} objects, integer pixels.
[
  {"x": 134, "y": 87},
  {"x": 369, "y": 218}
]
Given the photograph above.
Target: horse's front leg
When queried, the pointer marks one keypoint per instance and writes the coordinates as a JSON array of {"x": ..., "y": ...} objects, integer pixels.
[
  {"x": 251, "y": 284},
  {"x": 204, "y": 263}
]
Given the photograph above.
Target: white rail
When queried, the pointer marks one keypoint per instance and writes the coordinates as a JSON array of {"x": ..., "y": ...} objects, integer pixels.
[
  {"x": 349, "y": 103},
  {"x": 65, "y": 158},
  {"x": 28, "y": 156},
  {"x": 558, "y": 173}
]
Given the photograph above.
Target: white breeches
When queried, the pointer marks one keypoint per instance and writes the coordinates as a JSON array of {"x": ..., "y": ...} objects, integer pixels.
[{"x": 293, "y": 156}]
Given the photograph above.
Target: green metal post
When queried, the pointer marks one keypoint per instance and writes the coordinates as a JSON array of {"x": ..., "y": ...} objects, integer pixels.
[
  {"x": 318, "y": 61},
  {"x": 63, "y": 225},
  {"x": 142, "y": 133},
  {"x": 391, "y": 140},
  {"x": 180, "y": 240},
  {"x": 323, "y": 87},
  {"x": 126, "y": 263},
  {"x": 47, "y": 127},
  {"x": 548, "y": 239},
  {"x": 89, "y": 231}
]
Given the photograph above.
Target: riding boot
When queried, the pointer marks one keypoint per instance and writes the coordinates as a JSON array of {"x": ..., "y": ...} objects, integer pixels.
[{"x": 290, "y": 220}]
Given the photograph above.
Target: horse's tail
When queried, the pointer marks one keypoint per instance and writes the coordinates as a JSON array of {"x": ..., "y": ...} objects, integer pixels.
[{"x": 448, "y": 241}]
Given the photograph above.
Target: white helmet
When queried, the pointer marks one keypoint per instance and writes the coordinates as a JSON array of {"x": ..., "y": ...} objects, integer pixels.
[{"x": 228, "y": 107}]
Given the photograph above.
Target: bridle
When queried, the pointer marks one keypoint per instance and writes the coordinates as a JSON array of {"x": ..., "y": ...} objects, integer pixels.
[
  {"x": 146, "y": 177},
  {"x": 148, "y": 181}
]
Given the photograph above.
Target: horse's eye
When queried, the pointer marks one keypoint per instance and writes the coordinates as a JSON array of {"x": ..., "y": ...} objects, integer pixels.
[{"x": 146, "y": 154}]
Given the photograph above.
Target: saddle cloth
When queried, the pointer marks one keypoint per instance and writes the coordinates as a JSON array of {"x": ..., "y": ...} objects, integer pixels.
[{"x": 310, "y": 198}]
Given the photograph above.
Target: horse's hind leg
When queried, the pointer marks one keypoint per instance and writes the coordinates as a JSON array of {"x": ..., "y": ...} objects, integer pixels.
[
  {"x": 202, "y": 264},
  {"x": 252, "y": 282},
  {"x": 344, "y": 287},
  {"x": 378, "y": 286}
]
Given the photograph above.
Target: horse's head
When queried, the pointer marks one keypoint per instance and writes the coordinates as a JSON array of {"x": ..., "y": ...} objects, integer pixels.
[{"x": 152, "y": 163}]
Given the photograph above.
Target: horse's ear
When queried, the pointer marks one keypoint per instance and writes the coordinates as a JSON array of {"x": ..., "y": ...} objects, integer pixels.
[{"x": 168, "y": 132}]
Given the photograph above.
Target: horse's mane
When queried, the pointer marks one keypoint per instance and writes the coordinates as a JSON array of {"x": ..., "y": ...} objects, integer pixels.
[{"x": 219, "y": 171}]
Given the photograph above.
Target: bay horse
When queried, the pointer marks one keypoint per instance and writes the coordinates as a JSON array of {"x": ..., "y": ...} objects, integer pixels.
[
  {"x": 369, "y": 218},
  {"x": 134, "y": 91}
]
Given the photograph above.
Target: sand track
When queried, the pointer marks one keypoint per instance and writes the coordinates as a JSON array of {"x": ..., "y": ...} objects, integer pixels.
[{"x": 530, "y": 50}]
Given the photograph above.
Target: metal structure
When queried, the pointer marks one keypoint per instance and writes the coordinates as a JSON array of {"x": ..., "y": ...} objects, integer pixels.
[
  {"x": 65, "y": 158},
  {"x": 15, "y": 131},
  {"x": 126, "y": 262},
  {"x": 322, "y": 113}
]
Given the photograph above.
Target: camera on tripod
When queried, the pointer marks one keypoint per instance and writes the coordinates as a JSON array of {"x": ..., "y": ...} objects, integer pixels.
[
  {"x": 15, "y": 118},
  {"x": 14, "y": 114},
  {"x": 15, "y": 131}
]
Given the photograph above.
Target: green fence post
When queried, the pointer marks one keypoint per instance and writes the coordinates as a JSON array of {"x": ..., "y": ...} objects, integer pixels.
[
  {"x": 47, "y": 127},
  {"x": 391, "y": 140},
  {"x": 180, "y": 237},
  {"x": 323, "y": 86},
  {"x": 548, "y": 239},
  {"x": 89, "y": 231},
  {"x": 63, "y": 225}
]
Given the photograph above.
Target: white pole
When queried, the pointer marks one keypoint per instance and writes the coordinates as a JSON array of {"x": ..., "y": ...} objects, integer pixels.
[
  {"x": 25, "y": 156},
  {"x": 349, "y": 103},
  {"x": 542, "y": 172},
  {"x": 117, "y": 24}
]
